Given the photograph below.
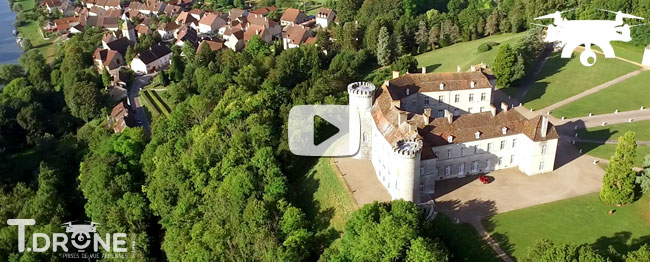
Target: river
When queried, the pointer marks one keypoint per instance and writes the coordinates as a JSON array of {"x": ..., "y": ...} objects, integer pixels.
[{"x": 9, "y": 50}]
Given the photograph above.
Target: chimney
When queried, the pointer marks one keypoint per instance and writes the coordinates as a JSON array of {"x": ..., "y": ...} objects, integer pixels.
[
  {"x": 427, "y": 116},
  {"x": 395, "y": 74},
  {"x": 493, "y": 110},
  {"x": 472, "y": 84},
  {"x": 504, "y": 107},
  {"x": 458, "y": 69},
  {"x": 449, "y": 116},
  {"x": 401, "y": 118},
  {"x": 544, "y": 126},
  {"x": 442, "y": 86},
  {"x": 412, "y": 127},
  {"x": 424, "y": 69}
]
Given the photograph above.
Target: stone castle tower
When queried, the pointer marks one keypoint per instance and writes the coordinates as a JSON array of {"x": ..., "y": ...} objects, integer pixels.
[
  {"x": 408, "y": 176},
  {"x": 361, "y": 95}
]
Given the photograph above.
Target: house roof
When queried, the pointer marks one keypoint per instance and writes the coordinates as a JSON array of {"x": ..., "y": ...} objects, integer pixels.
[
  {"x": 253, "y": 30},
  {"x": 153, "y": 54},
  {"x": 235, "y": 13},
  {"x": 261, "y": 20},
  {"x": 168, "y": 26},
  {"x": 414, "y": 83},
  {"x": 296, "y": 34},
  {"x": 185, "y": 18},
  {"x": 310, "y": 40},
  {"x": 213, "y": 45},
  {"x": 324, "y": 12},
  {"x": 120, "y": 45},
  {"x": 209, "y": 18},
  {"x": 187, "y": 34},
  {"x": 65, "y": 23},
  {"x": 291, "y": 15},
  {"x": 52, "y": 3},
  {"x": 264, "y": 10},
  {"x": 108, "y": 58},
  {"x": 142, "y": 29}
]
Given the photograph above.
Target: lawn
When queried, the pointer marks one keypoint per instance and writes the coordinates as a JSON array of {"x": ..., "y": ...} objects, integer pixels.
[
  {"x": 463, "y": 241},
  {"x": 321, "y": 193},
  {"x": 579, "y": 220},
  {"x": 641, "y": 128},
  {"x": 628, "y": 95},
  {"x": 463, "y": 54},
  {"x": 562, "y": 78},
  {"x": 31, "y": 30},
  {"x": 627, "y": 51},
  {"x": 606, "y": 151}
]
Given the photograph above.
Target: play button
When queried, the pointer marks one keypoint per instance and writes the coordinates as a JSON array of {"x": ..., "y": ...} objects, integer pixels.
[{"x": 320, "y": 130}]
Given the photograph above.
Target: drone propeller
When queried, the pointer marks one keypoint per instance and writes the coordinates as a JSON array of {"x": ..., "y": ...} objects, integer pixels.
[
  {"x": 556, "y": 14},
  {"x": 621, "y": 14},
  {"x": 539, "y": 25},
  {"x": 639, "y": 25}
]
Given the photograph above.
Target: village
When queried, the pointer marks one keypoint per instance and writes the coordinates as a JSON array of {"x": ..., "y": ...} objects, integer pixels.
[{"x": 174, "y": 23}]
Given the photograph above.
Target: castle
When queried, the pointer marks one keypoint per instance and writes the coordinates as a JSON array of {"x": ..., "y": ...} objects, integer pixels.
[{"x": 420, "y": 128}]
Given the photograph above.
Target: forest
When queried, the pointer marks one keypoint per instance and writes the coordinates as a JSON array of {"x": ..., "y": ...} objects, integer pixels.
[{"x": 211, "y": 183}]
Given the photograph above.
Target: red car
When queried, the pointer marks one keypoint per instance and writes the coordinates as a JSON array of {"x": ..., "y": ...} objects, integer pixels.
[{"x": 484, "y": 179}]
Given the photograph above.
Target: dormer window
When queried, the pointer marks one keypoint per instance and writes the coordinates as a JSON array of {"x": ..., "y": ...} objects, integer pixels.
[
  {"x": 477, "y": 134},
  {"x": 442, "y": 86},
  {"x": 472, "y": 84},
  {"x": 504, "y": 130},
  {"x": 408, "y": 92},
  {"x": 450, "y": 139}
]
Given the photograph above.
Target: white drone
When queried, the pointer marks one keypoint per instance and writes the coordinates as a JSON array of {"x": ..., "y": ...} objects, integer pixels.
[{"x": 597, "y": 32}]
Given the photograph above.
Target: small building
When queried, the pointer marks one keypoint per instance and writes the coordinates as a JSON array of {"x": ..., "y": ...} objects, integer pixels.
[
  {"x": 235, "y": 38},
  {"x": 292, "y": 16},
  {"x": 121, "y": 117},
  {"x": 142, "y": 29},
  {"x": 213, "y": 45},
  {"x": 151, "y": 60},
  {"x": 108, "y": 59},
  {"x": 187, "y": 34},
  {"x": 52, "y": 5},
  {"x": 294, "y": 36},
  {"x": 210, "y": 23},
  {"x": 120, "y": 45},
  {"x": 185, "y": 18},
  {"x": 260, "y": 31},
  {"x": 273, "y": 27},
  {"x": 237, "y": 14},
  {"x": 264, "y": 11},
  {"x": 167, "y": 30},
  {"x": 324, "y": 17}
]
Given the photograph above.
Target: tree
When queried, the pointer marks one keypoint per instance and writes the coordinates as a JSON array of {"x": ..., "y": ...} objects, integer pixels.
[
  {"x": 10, "y": 72},
  {"x": 350, "y": 36},
  {"x": 27, "y": 44},
  {"x": 392, "y": 231},
  {"x": 644, "y": 176},
  {"x": 347, "y": 10},
  {"x": 508, "y": 66},
  {"x": 130, "y": 53},
  {"x": 545, "y": 250},
  {"x": 492, "y": 24},
  {"x": 384, "y": 56},
  {"x": 640, "y": 255},
  {"x": 84, "y": 100},
  {"x": 405, "y": 64},
  {"x": 618, "y": 182},
  {"x": 107, "y": 79},
  {"x": 422, "y": 37},
  {"x": 323, "y": 40},
  {"x": 434, "y": 34}
]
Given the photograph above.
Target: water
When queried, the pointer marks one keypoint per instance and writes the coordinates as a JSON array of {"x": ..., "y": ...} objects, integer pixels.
[{"x": 9, "y": 50}]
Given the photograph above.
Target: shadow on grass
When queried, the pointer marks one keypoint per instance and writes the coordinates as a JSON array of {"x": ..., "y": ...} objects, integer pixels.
[
  {"x": 501, "y": 238},
  {"x": 619, "y": 244},
  {"x": 553, "y": 65}
]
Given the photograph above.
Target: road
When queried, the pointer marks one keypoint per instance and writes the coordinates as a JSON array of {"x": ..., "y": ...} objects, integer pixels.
[{"x": 134, "y": 100}]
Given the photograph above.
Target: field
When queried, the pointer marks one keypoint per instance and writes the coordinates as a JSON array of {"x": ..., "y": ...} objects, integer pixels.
[
  {"x": 463, "y": 241},
  {"x": 580, "y": 220},
  {"x": 321, "y": 192},
  {"x": 628, "y": 95},
  {"x": 463, "y": 54},
  {"x": 641, "y": 128},
  {"x": 606, "y": 151},
  {"x": 562, "y": 78},
  {"x": 31, "y": 30}
]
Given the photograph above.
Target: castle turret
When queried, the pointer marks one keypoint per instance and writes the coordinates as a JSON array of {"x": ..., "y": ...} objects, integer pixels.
[
  {"x": 407, "y": 162},
  {"x": 361, "y": 95}
]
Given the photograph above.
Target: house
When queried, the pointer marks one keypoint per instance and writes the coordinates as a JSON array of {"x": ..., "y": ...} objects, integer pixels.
[
  {"x": 210, "y": 23},
  {"x": 411, "y": 147},
  {"x": 109, "y": 23},
  {"x": 273, "y": 27},
  {"x": 152, "y": 60},
  {"x": 62, "y": 25},
  {"x": 172, "y": 10},
  {"x": 185, "y": 18},
  {"x": 108, "y": 59},
  {"x": 67, "y": 8},
  {"x": 213, "y": 45},
  {"x": 237, "y": 14},
  {"x": 167, "y": 30},
  {"x": 234, "y": 38},
  {"x": 142, "y": 29},
  {"x": 120, "y": 45},
  {"x": 324, "y": 17},
  {"x": 121, "y": 117},
  {"x": 294, "y": 36},
  {"x": 260, "y": 31},
  {"x": 292, "y": 16},
  {"x": 264, "y": 11},
  {"x": 52, "y": 5},
  {"x": 186, "y": 34},
  {"x": 197, "y": 13},
  {"x": 104, "y": 4}
]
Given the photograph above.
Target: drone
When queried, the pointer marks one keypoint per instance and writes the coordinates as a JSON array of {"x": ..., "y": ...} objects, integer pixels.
[{"x": 597, "y": 32}]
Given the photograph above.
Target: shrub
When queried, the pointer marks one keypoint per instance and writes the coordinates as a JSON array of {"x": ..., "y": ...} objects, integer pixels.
[{"x": 487, "y": 46}]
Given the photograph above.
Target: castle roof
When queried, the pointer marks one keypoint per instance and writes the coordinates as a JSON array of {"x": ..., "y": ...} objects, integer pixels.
[{"x": 414, "y": 83}]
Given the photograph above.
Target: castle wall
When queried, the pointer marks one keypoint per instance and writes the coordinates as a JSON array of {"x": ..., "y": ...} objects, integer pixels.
[{"x": 440, "y": 100}]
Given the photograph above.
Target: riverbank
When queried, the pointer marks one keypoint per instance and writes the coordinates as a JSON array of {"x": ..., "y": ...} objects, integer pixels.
[
  {"x": 30, "y": 29},
  {"x": 9, "y": 50}
]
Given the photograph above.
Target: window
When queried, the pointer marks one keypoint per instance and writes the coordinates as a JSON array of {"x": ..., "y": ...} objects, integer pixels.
[
  {"x": 512, "y": 159},
  {"x": 365, "y": 137},
  {"x": 489, "y": 148},
  {"x": 481, "y": 109},
  {"x": 456, "y": 112},
  {"x": 500, "y": 160},
  {"x": 413, "y": 103},
  {"x": 476, "y": 149},
  {"x": 457, "y": 98},
  {"x": 426, "y": 100},
  {"x": 544, "y": 149},
  {"x": 461, "y": 169},
  {"x": 407, "y": 92},
  {"x": 440, "y": 99},
  {"x": 503, "y": 144},
  {"x": 450, "y": 139},
  {"x": 514, "y": 142},
  {"x": 447, "y": 170},
  {"x": 462, "y": 151},
  {"x": 474, "y": 166},
  {"x": 448, "y": 153},
  {"x": 488, "y": 164},
  {"x": 471, "y": 97},
  {"x": 469, "y": 110},
  {"x": 483, "y": 96},
  {"x": 541, "y": 165},
  {"x": 441, "y": 113}
]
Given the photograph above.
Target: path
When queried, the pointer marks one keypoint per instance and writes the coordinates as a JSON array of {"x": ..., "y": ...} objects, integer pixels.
[
  {"x": 478, "y": 225},
  {"x": 617, "y": 57},
  {"x": 594, "y": 90},
  {"x": 610, "y": 141},
  {"x": 134, "y": 100}
]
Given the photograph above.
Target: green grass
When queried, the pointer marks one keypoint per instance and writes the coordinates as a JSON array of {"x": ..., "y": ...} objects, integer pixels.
[
  {"x": 463, "y": 54},
  {"x": 628, "y": 95},
  {"x": 627, "y": 51},
  {"x": 562, "y": 78},
  {"x": 155, "y": 103},
  {"x": 580, "y": 220},
  {"x": 641, "y": 128},
  {"x": 463, "y": 241},
  {"x": 323, "y": 195},
  {"x": 31, "y": 30},
  {"x": 150, "y": 107},
  {"x": 606, "y": 151}
]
